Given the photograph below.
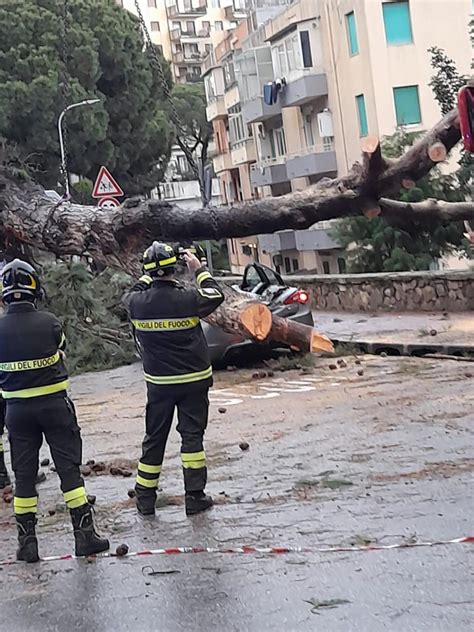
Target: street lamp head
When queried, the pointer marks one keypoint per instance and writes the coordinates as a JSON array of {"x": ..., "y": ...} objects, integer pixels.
[{"x": 91, "y": 101}]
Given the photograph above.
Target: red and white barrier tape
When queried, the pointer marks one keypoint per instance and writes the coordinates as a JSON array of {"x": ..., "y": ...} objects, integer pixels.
[{"x": 263, "y": 550}]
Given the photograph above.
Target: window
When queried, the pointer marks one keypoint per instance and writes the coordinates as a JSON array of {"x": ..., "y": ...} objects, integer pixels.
[
  {"x": 218, "y": 25},
  {"x": 208, "y": 48},
  {"x": 277, "y": 142},
  {"x": 407, "y": 105},
  {"x": 306, "y": 49},
  {"x": 352, "y": 33},
  {"x": 229, "y": 74},
  {"x": 152, "y": 3},
  {"x": 190, "y": 27},
  {"x": 308, "y": 129},
  {"x": 286, "y": 56},
  {"x": 362, "y": 114},
  {"x": 396, "y": 18},
  {"x": 287, "y": 265},
  {"x": 296, "y": 265},
  {"x": 341, "y": 264},
  {"x": 155, "y": 26},
  {"x": 215, "y": 4},
  {"x": 237, "y": 128},
  {"x": 326, "y": 267},
  {"x": 160, "y": 48}
]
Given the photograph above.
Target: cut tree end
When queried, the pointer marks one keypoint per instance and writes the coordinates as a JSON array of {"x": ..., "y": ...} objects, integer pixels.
[
  {"x": 320, "y": 343},
  {"x": 257, "y": 320},
  {"x": 370, "y": 144},
  {"x": 408, "y": 184},
  {"x": 437, "y": 152},
  {"x": 372, "y": 212}
]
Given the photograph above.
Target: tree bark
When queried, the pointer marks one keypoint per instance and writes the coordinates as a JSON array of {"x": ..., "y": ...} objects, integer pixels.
[{"x": 115, "y": 237}]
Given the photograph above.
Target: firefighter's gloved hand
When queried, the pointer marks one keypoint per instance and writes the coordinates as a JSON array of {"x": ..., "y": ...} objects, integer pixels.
[{"x": 192, "y": 262}]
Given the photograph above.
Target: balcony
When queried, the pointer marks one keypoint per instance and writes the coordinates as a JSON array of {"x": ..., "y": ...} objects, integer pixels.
[
  {"x": 222, "y": 162},
  {"x": 312, "y": 161},
  {"x": 300, "y": 240},
  {"x": 257, "y": 111},
  {"x": 187, "y": 9},
  {"x": 303, "y": 90},
  {"x": 244, "y": 152},
  {"x": 176, "y": 35},
  {"x": 216, "y": 109},
  {"x": 268, "y": 172}
]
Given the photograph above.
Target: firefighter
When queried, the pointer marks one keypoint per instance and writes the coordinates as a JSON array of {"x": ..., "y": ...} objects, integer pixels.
[
  {"x": 166, "y": 321},
  {"x": 34, "y": 383}
]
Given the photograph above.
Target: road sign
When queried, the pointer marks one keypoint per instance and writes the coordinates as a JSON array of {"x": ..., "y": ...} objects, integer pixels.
[
  {"x": 108, "y": 203},
  {"x": 106, "y": 185}
]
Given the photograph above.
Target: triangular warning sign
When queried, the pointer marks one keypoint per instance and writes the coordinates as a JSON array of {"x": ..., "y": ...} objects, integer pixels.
[{"x": 106, "y": 185}]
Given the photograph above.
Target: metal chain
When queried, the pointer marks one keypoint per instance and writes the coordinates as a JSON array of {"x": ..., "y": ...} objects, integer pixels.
[
  {"x": 181, "y": 134},
  {"x": 64, "y": 83}
]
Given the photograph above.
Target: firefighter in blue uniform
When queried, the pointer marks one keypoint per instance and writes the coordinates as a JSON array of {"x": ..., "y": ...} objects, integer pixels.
[
  {"x": 166, "y": 321},
  {"x": 34, "y": 383}
]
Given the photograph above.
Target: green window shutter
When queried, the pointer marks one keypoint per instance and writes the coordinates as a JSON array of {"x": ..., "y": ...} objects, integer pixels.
[
  {"x": 352, "y": 33},
  {"x": 396, "y": 18},
  {"x": 362, "y": 113},
  {"x": 407, "y": 105}
]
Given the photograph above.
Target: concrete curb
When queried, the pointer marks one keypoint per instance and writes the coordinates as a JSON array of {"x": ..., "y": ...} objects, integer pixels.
[{"x": 418, "y": 349}]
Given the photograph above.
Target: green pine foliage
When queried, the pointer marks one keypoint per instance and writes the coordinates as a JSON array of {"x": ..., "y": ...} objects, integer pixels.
[
  {"x": 102, "y": 56},
  {"x": 89, "y": 308}
]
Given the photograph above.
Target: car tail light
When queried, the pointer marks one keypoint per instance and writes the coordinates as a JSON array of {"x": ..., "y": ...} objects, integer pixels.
[{"x": 300, "y": 296}]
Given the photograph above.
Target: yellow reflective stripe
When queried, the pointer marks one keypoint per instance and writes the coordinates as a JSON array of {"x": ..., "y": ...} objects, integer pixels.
[
  {"x": 146, "y": 278},
  {"x": 146, "y": 483},
  {"x": 75, "y": 497},
  {"x": 149, "y": 266},
  {"x": 184, "y": 378},
  {"x": 167, "y": 324},
  {"x": 194, "y": 465},
  {"x": 28, "y": 365},
  {"x": 202, "y": 276},
  {"x": 149, "y": 469},
  {"x": 75, "y": 493},
  {"x": 167, "y": 262},
  {"x": 193, "y": 456},
  {"x": 210, "y": 292},
  {"x": 1, "y": 445},
  {"x": 38, "y": 391},
  {"x": 25, "y": 505}
]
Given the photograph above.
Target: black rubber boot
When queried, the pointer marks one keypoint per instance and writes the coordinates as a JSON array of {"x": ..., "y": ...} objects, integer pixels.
[
  {"x": 196, "y": 502},
  {"x": 146, "y": 500},
  {"x": 27, "y": 543},
  {"x": 4, "y": 478},
  {"x": 87, "y": 540}
]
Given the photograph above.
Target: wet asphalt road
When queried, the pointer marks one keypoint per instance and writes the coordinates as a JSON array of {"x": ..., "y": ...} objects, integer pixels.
[{"x": 401, "y": 434}]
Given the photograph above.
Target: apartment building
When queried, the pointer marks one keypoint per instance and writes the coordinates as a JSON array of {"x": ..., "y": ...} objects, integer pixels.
[
  {"x": 312, "y": 83},
  {"x": 187, "y": 30}
]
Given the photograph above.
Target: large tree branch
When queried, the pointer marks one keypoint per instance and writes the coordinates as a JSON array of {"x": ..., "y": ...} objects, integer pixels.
[
  {"x": 429, "y": 209},
  {"x": 115, "y": 237}
]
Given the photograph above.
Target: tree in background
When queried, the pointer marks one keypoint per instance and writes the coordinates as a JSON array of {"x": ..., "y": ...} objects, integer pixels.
[
  {"x": 374, "y": 245},
  {"x": 190, "y": 102},
  {"x": 102, "y": 56}
]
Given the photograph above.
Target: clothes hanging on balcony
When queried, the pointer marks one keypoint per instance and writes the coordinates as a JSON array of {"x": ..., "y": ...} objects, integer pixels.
[{"x": 268, "y": 94}]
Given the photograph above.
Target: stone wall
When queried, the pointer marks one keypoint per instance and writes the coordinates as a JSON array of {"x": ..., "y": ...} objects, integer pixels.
[{"x": 404, "y": 291}]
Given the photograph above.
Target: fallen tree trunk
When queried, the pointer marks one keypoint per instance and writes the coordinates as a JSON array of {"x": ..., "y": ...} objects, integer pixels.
[{"x": 115, "y": 237}]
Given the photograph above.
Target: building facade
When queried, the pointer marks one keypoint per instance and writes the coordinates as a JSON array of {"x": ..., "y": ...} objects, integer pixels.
[
  {"x": 186, "y": 31},
  {"x": 292, "y": 99}
]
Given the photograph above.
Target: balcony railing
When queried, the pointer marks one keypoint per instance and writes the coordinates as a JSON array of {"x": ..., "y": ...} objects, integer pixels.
[{"x": 197, "y": 8}]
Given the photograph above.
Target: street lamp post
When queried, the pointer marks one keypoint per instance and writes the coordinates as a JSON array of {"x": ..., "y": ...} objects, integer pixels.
[{"x": 61, "y": 140}]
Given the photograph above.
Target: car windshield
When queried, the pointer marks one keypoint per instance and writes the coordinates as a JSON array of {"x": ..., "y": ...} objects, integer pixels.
[{"x": 251, "y": 278}]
